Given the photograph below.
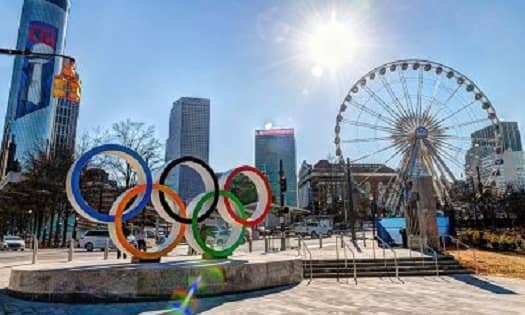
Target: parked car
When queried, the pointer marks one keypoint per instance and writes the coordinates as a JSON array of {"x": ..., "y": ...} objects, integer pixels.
[
  {"x": 95, "y": 239},
  {"x": 313, "y": 229},
  {"x": 11, "y": 242}
]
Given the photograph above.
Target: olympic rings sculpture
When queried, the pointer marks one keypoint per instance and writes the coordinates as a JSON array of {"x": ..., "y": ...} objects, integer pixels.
[{"x": 169, "y": 204}]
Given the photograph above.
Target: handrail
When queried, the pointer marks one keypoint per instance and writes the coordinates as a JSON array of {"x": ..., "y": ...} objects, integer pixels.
[
  {"x": 458, "y": 242},
  {"x": 393, "y": 251},
  {"x": 435, "y": 257},
  {"x": 304, "y": 247},
  {"x": 346, "y": 246}
]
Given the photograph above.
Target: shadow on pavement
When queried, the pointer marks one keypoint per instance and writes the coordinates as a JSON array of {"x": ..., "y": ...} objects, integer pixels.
[
  {"x": 483, "y": 284},
  {"x": 13, "y": 305}
]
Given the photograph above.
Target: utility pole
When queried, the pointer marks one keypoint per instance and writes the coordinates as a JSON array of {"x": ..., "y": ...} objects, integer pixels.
[
  {"x": 475, "y": 201},
  {"x": 350, "y": 199},
  {"x": 480, "y": 190},
  {"x": 282, "y": 191}
]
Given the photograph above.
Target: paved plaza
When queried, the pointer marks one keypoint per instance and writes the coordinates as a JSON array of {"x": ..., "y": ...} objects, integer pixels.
[
  {"x": 463, "y": 294},
  {"x": 428, "y": 295}
]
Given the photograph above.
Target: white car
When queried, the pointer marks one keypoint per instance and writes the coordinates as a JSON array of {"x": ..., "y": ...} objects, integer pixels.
[
  {"x": 312, "y": 229},
  {"x": 95, "y": 239},
  {"x": 12, "y": 243}
]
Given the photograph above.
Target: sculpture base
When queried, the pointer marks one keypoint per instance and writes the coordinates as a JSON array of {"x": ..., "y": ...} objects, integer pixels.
[
  {"x": 137, "y": 260},
  {"x": 123, "y": 282}
]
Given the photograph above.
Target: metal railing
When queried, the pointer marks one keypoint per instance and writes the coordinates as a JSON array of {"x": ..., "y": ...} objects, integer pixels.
[
  {"x": 434, "y": 253},
  {"x": 302, "y": 246},
  {"x": 385, "y": 244},
  {"x": 346, "y": 246},
  {"x": 458, "y": 242}
]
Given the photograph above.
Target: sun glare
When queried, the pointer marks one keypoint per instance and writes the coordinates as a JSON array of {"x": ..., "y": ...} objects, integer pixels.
[{"x": 329, "y": 46}]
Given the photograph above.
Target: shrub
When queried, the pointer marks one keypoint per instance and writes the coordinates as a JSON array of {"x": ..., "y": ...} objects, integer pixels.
[{"x": 505, "y": 241}]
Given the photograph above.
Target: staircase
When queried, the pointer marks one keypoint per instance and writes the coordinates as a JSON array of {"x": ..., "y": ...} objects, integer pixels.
[{"x": 415, "y": 266}]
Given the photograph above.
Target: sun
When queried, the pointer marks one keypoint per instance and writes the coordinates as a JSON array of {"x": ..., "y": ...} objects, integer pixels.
[{"x": 329, "y": 45}]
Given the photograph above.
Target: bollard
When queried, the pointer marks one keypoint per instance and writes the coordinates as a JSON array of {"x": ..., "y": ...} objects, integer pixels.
[
  {"x": 250, "y": 244},
  {"x": 70, "y": 252},
  {"x": 106, "y": 249},
  {"x": 374, "y": 247},
  {"x": 283, "y": 242},
  {"x": 342, "y": 241},
  {"x": 266, "y": 244},
  {"x": 298, "y": 242},
  {"x": 337, "y": 253},
  {"x": 364, "y": 238},
  {"x": 320, "y": 241},
  {"x": 35, "y": 249}
]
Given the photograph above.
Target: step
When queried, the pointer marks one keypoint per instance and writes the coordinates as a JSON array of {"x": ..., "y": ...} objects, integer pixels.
[
  {"x": 388, "y": 274},
  {"x": 377, "y": 263},
  {"x": 388, "y": 268},
  {"x": 379, "y": 259}
]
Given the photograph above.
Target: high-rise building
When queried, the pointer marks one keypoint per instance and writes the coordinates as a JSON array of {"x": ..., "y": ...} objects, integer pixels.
[
  {"x": 511, "y": 137},
  {"x": 189, "y": 134},
  {"x": 271, "y": 146},
  {"x": 34, "y": 119},
  {"x": 481, "y": 157}
]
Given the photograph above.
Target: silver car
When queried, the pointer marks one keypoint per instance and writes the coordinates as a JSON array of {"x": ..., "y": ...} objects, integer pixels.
[{"x": 12, "y": 243}]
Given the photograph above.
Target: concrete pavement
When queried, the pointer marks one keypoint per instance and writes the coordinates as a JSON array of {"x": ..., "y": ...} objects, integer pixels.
[{"x": 429, "y": 295}]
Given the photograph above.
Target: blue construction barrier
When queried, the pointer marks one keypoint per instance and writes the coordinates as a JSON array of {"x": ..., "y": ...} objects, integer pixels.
[{"x": 388, "y": 229}]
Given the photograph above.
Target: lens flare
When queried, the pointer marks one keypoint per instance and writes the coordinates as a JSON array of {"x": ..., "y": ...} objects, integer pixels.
[
  {"x": 185, "y": 304},
  {"x": 184, "y": 301}
]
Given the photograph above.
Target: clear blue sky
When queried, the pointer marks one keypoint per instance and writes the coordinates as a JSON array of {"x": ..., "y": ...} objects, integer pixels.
[{"x": 135, "y": 58}]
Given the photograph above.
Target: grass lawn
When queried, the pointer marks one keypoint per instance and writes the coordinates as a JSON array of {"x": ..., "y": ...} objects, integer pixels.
[{"x": 503, "y": 264}]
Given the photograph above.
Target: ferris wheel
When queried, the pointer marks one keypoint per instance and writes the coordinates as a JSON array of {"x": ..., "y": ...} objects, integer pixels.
[{"x": 420, "y": 118}]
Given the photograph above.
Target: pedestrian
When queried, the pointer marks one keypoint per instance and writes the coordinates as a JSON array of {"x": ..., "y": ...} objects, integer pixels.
[
  {"x": 125, "y": 230},
  {"x": 141, "y": 242}
]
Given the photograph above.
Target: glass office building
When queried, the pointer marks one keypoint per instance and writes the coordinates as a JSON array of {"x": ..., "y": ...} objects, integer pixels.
[
  {"x": 31, "y": 109},
  {"x": 271, "y": 146},
  {"x": 189, "y": 134},
  {"x": 510, "y": 132}
]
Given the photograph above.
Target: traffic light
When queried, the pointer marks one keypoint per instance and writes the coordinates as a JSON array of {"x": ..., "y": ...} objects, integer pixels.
[
  {"x": 67, "y": 85},
  {"x": 282, "y": 182},
  {"x": 59, "y": 86},
  {"x": 73, "y": 91}
]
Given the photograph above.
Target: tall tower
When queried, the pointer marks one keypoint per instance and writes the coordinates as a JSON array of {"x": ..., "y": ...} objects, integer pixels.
[
  {"x": 31, "y": 110},
  {"x": 271, "y": 146},
  {"x": 189, "y": 134}
]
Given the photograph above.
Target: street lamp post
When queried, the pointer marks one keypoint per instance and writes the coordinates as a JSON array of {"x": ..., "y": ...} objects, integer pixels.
[{"x": 373, "y": 212}]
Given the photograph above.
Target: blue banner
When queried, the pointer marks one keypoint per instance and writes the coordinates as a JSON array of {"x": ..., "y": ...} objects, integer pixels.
[{"x": 36, "y": 78}]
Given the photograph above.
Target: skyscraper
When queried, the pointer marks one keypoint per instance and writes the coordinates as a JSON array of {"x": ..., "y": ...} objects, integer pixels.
[
  {"x": 189, "y": 134},
  {"x": 31, "y": 111},
  {"x": 481, "y": 157},
  {"x": 271, "y": 146},
  {"x": 511, "y": 138}
]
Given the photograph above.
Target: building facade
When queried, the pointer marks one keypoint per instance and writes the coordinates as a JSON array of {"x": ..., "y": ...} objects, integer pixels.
[
  {"x": 323, "y": 186},
  {"x": 481, "y": 158},
  {"x": 31, "y": 110},
  {"x": 189, "y": 134},
  {"x": 271, "y": 146}
]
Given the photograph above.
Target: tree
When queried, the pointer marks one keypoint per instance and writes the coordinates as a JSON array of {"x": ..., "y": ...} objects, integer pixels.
[
  {"x": 45, "y": 178},
  {"x": 243, "y": 188},
  {"x": 135, "y": 135}
]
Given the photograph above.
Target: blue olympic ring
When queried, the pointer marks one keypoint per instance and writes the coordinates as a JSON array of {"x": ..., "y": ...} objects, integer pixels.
[{"x": 82, "y": 162}]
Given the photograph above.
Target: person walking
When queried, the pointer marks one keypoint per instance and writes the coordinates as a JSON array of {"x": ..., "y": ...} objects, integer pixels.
[
  {"x": 141, "y": 238},
  {"x": 125, "y": 230}
]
